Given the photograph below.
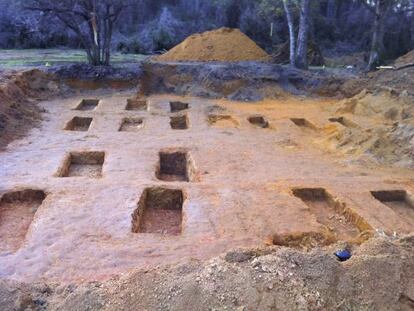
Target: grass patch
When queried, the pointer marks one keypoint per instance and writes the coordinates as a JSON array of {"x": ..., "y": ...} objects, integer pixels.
[{"x": 40, "y": 57}]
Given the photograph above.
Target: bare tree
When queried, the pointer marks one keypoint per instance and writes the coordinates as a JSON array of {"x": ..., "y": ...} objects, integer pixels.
[
  {"x": 292, "y": 39},
  {"x": 299, "y": 51},
  {"x": 91, "y": 20},
  {"x": 379, "y": 8},
  {"x": 303, "y": 35},
  {"x": 377, "y": 45},
  {"x": 331, "y": 10}
]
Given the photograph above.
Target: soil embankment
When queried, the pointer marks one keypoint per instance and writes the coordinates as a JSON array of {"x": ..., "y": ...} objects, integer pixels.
[{"x": 18, "y": 95}]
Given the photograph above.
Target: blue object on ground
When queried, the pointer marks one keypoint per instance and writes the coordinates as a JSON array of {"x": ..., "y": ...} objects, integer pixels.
[{"x": 343, "y": 255}]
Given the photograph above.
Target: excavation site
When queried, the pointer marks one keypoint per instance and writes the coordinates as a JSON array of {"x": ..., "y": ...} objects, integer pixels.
[{"x": 206, "y": 179}]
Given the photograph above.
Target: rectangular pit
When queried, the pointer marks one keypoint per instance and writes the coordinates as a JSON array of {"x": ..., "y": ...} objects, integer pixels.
[
  {"x": 131, "y": 125},
  {"x": 159, "y": 211},
  {"x": 258, "y": 121},
  {"x": 134, "y": 104},
  {"x": 82, "y": 164},
  {"x": 342, "y": 222},
  {"x": 304, "y": 123},
  {"x": 79, "y": 124},
  {"x": 222, "y": 120},
  {"x": 344, "y": 121},
  {"x": 175, "y": 165},
  {"x": 179, "y": 122},
  {"x": 399, "y": 201},
  {"x": 17, "y": 210},
  {"x": 178, "y": 106},
  {"x": 88, "y": 104}
]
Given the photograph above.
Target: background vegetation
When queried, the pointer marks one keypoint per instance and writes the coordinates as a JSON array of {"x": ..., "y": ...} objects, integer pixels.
[{"x": 339, "y": 27}]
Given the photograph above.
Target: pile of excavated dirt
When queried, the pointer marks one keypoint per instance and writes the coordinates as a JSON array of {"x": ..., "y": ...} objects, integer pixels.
[
  {"x": 374, "y": 125},
  {"x": 18, "y": 95},
  {"x": 379, "y": 276},
  {"x": 224, "y": 44}
]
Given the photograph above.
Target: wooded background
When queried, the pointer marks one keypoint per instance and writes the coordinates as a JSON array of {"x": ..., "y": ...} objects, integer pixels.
[{"x": 339, "y": 27}]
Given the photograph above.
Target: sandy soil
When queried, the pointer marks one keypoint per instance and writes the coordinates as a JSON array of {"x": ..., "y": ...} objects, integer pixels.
[
  {"x": 19, "y": 92},
  {"x": 118, "y": 203},
  {"x": 240, "y": 192},
  {"x": 217, "y": 45}
]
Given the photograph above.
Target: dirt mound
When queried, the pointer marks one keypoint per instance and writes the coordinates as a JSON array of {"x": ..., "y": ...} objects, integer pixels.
[
  {"x": 282, "y": 52},
  {"x": 224, "y": 44},
  {"x": 272, "y": 278},
  {"x": 377, "y": 126},
  {"x": 18, "y": 111}
]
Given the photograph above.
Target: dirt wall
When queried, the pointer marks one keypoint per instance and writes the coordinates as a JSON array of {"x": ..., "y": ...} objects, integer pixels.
[
  {"x": 19, "y": 92},
  {"x": 243, "y": 81}
]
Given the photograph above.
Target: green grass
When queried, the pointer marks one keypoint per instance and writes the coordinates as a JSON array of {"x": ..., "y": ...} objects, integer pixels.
[{"x": 15, "y": 59}]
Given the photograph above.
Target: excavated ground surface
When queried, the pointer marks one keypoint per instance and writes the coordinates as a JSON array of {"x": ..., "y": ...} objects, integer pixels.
[{"x": 224, "y": 182}]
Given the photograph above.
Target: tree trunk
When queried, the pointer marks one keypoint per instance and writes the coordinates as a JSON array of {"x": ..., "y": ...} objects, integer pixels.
[
  {"x": 302, "y": 52},
  {"x": 292, "y": 39},
  {"x": 107, "y": 46},
  {"x": 331, "y": 10},
  {"x": 377, "y": 37}
]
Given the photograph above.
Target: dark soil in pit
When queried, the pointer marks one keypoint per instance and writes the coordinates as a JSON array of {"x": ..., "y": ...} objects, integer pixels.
[
  {"x": 258, "y": 121},
  {"x": 344, "y": 121},
  {"x": 331, "y": 214},
  {"x": 88, "y": 104},
  {"x": 179, "y": 122},
  {"x": 131, "y": 125},
  {"x": 136, "y": 105},
  {"x": 178, "y": 106},
  {"x": 17, "y": 210},
  {"x": 79, "y": 124},
  {"x": 175, "y": 165},
  {"x": 399, "y": 201},
  {"x": 304, "y": 123},
  {"x": 159, "y": 211},
  {"x": 222, "y": 120},
  {"x": 82, "y": 164}
]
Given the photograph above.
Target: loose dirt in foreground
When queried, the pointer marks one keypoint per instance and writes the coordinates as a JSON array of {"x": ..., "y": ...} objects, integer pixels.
[
  {"x": 224, "y": 44},
  {"x": 380, "y": 276}
]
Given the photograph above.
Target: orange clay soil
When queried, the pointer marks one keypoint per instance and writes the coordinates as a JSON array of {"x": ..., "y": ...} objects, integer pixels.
[
  {"x": 158, "y": 195},
  {"x": 224, "y": 44}
]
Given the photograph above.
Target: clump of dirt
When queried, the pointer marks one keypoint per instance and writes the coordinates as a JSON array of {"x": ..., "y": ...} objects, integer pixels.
[
  {"x": 224, "y": 44},
  {"x": 18, "y": 94},
  {"x": 383, "y": 130}
]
